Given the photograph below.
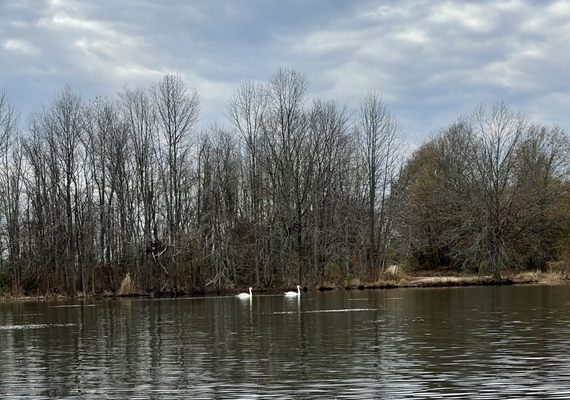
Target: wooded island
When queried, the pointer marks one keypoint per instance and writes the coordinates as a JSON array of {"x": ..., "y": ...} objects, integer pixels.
[{"x": 286, "y": 190}]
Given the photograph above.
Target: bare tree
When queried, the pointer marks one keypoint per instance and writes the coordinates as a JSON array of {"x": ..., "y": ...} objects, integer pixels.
[
  {"x": 140, "y": 118},
  {"x": 11, "y": 186},
  {"x": 378, "y": 134},
  {"x": 482, "y": 193},
  {"x": 63, "y": 123},
  {"x": 107, "y": 167},
  {"x": 288, "y": 163},
  {"x": 177, "y": 113},
  {"x": 496, "y": 134},
  {"x": 330, "y": 143},
  {"x": 536, "y": 216},
  {"x": 294, "y": 191},
  {"x": 247, "y": 111}
]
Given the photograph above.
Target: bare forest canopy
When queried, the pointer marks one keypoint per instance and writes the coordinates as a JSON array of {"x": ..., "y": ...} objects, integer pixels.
[{"x": 289, "y": 190}]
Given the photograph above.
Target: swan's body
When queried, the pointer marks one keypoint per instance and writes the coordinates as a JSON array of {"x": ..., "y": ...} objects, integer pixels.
[
  {"x": 245, "y": 295},
  {"x": 294, "y": 294}
]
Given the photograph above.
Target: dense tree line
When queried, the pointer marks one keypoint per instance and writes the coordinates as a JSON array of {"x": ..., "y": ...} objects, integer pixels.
[
  {"x": 286, "y": 190},
  {"x": 490, "y": 191}
]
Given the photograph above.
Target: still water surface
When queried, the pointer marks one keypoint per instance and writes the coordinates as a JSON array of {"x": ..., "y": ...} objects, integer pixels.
[{"x": 483, "y": 342}]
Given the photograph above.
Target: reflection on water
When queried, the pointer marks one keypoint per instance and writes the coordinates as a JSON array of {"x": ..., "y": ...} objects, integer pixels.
[
  {"x": 31, "y": 326},
  {"x": 487, "y": 342}
]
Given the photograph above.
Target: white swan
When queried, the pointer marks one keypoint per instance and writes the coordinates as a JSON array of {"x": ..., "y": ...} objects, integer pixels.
[
  {"x": 294, "y": 294},
  {"x": 245, "y": 295}
]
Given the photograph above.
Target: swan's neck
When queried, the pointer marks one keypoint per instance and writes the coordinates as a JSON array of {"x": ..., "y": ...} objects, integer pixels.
[{"x": 250, "y": 291}]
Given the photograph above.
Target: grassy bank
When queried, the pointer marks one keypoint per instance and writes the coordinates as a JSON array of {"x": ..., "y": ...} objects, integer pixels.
[
  {"x": 441, "y": 278},
  {"x": 394, "y": 279}
]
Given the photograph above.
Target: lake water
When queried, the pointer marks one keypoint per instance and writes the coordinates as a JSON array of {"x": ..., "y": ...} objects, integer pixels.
[{"x": 484, "y": 342}]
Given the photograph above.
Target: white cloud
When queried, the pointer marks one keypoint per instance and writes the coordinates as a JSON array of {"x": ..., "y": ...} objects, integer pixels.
[
  {"x": 449, "y": 55},
  {"x": 20, "y": 46},
  {"x": 430, "y": 60},
  {"x": 384, "y": 12},
  {"x": 413, "y": 36},
  {"x": 473, "y": 17},
  {"x": 559, "y": 8},
  {"x": 323, "y": 42}
]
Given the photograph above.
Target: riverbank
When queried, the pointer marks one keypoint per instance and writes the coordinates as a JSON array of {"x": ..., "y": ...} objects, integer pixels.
[
  {"x": 400, "y": 280},
  {"x": 389, "y": 280}
]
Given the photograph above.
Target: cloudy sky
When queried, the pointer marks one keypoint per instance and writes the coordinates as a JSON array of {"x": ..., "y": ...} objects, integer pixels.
[{"x": 432, "y": 61}]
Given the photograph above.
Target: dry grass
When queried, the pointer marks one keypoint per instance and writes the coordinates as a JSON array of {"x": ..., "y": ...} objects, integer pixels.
[
  {"x": 354, "y": 282},
  {"x": 394, "y": 272},
  {"x": 48, "y": 297},
  {"x": 545, "y": 278},
  {"x": 561, "y": 267},
  {"x": 433, "y": 281},
  {"x": 127, "y": 286}
]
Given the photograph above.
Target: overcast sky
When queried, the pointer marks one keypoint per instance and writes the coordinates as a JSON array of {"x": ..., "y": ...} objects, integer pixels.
[{"x": 432, "y": 61}]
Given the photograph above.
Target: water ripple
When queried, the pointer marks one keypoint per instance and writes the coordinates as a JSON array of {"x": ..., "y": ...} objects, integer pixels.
[{"x": 485, "y": 343}]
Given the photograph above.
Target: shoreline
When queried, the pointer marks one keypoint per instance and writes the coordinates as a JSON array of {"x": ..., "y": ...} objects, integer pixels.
[
  {"x": 458, "y": 280},
  {"x": 396, "y": 281}
]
